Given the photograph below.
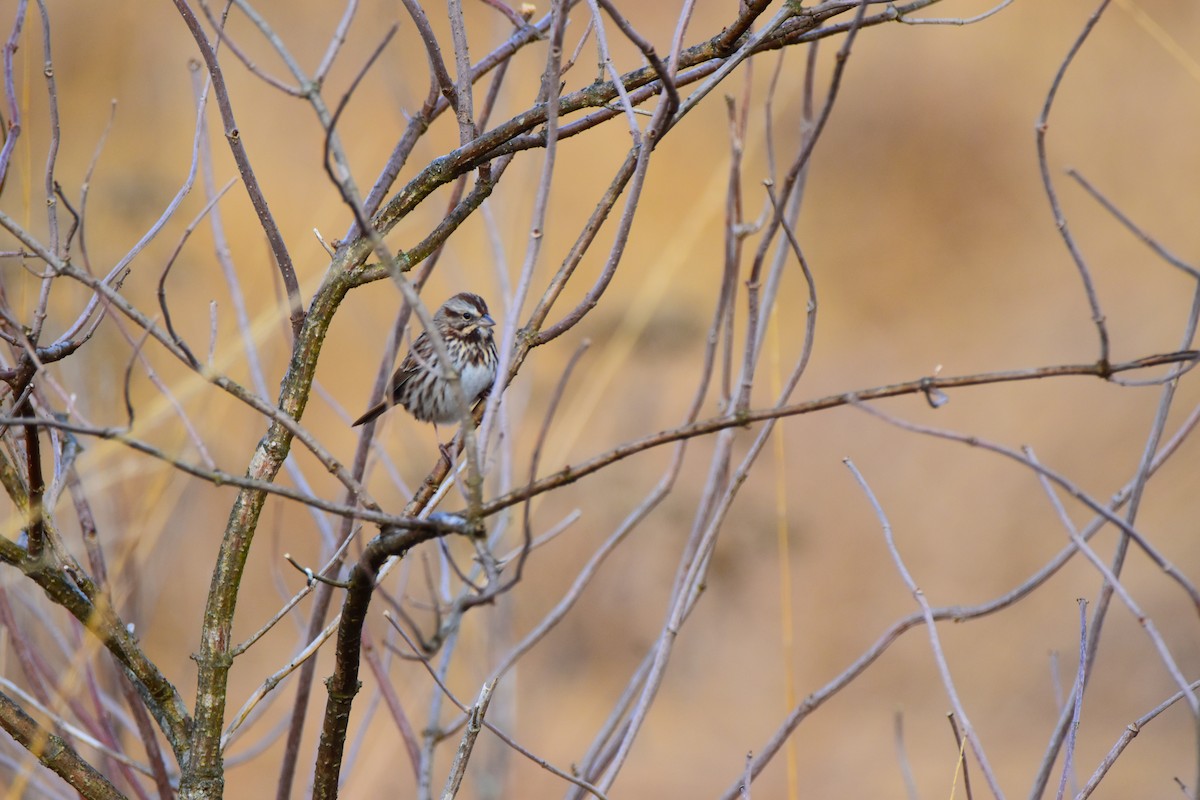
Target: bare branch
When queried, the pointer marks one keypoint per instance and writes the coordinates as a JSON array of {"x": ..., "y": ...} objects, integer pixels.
[
  {"x": 1060, "y": 220},
  {"x": 934, "y": 641},
  {"x": 233, "y": 135},
  {"x": 54, "y": 752}
]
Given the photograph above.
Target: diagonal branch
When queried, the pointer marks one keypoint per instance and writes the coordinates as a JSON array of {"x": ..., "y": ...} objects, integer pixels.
[
  {"x": 55, "y": 753},
  {"x": 924, "y": 386},
  {"x": 237, "y": 146}
]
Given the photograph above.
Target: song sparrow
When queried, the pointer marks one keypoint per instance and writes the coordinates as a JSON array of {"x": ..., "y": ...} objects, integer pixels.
[{"x": 419, "y": 384}]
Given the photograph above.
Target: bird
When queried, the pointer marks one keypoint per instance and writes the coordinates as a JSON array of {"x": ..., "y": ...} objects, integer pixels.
[{"x": 421, "y": 387}]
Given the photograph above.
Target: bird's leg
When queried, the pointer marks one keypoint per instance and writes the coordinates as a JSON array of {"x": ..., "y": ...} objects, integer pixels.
[{"x": 444, "y": 449}]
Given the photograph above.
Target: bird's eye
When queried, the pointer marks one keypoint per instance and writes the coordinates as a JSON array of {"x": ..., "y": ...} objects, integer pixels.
[{"x": 468, "y": 316}]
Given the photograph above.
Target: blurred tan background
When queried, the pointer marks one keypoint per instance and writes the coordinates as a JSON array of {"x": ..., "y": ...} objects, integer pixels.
[{"x": 932, "y": 243}]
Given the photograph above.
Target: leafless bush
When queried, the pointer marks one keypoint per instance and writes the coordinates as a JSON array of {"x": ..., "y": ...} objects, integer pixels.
[{"x": 134, "y": 406}]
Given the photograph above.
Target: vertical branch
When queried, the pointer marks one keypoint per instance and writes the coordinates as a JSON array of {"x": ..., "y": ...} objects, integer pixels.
[
  {"x": 54, "y": 243},
  {"x": 1080, "y": 676},
  {"x": 237, "y": 146},
  {"x": 37, "y": 485},
  {"x": 10, "y": 90},
  {"x": 344, "y": 684},
  {"x": 794, "y": 175},
  {"x": 316, "y": 623},
  {"x": 1060, "y": 220},
  {"x": 458, "y": 769},
  {"x": 549, "y": 92},
  {"x": 1144, "y": 472},
  {"x": 464, "y": 109},
  {"x": 203, "y": 775}
]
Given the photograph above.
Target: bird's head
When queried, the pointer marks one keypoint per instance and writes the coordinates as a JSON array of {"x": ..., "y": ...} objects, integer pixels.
[{"x": 464, "y": 314}]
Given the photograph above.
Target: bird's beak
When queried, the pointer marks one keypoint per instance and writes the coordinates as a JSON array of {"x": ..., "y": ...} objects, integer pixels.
[{"x": 486, "y": 321}]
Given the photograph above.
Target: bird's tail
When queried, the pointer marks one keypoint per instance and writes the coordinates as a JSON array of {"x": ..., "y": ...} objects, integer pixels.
[{"x": 371, "y": 413}]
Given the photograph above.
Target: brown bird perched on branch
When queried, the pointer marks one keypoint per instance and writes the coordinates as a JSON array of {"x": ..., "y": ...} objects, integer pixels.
[{"x": 421, "y": 387}]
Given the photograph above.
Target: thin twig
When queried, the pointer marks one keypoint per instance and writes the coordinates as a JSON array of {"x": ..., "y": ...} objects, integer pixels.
[
  {"x": 1060, "y": 219},
  {"x": 920, "y": 386},
  {"x": 959, "y": 21},
  {"x": 910, "y": 783},
  {"x": 931, "y": 627},
  {"x": 445, "y": 691},
  {"x": 283, "y": 259},
  {"x": 458, "y": 767},
  {"x": 1127, "y": 736},
  {"x": 960, "y": 743},
  {"x": 1081, "y": 674}
]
